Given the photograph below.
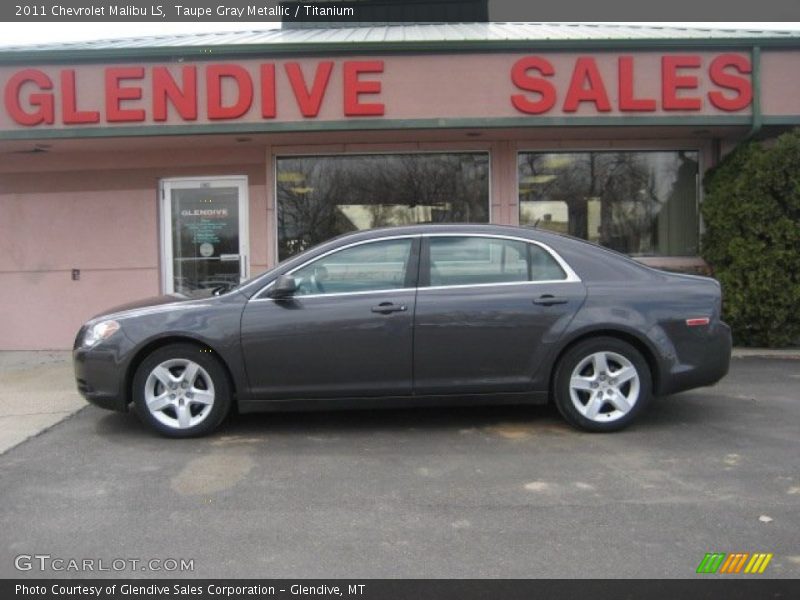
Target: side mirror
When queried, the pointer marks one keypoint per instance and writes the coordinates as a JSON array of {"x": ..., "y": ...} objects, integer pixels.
[{"x": 285, "y": 286}]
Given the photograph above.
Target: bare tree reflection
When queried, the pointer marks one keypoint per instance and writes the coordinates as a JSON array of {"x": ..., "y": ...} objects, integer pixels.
[
  {"x": 634, "y": 202},
  {"x": 324, "y": 196}
]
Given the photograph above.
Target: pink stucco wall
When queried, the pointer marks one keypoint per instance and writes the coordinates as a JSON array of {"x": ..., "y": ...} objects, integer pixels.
[
  {"x": 780, "y": 87},
  {"x": 97, "y": 213}
]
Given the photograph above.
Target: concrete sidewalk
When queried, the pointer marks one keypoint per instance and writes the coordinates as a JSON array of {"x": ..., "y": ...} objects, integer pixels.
[
  {"x": 37, "y": 389},
  {"x": 780, "y": 353}
]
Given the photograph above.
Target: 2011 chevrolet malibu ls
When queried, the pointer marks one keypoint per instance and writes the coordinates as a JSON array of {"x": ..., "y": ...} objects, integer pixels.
[{"x": 427, "y": 314}]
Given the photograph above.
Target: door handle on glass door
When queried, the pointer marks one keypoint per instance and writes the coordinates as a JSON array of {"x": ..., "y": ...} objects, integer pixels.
[{"x": 386, "y": 308}]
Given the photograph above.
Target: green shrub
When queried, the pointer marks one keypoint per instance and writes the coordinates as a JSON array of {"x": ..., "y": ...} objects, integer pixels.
[{"x": 752, "y": 240}]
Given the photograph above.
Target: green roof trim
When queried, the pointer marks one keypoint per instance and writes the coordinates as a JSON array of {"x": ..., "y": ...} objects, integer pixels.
[
  {"x": 387, "y": 124},
  {"x": 420, "y": 38}
]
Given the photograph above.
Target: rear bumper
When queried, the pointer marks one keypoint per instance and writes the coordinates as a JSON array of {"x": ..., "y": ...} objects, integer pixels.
[{"x": 702, "y": 359}]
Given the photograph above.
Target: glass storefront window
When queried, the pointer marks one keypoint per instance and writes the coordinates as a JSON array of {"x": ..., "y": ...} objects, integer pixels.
[
  {"x": 639, "y": 203},
  {"x": 320, "y": 197}
]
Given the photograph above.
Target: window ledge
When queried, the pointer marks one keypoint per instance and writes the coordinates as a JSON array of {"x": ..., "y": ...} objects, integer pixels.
[{"x": 683, "y": 264}]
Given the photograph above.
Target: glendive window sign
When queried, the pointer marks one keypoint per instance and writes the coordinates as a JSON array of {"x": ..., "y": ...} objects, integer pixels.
[{"x": 395, "y": 87}]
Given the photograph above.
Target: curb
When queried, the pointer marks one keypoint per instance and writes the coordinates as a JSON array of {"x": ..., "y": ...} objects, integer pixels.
[{"x": 782, "y": 354}]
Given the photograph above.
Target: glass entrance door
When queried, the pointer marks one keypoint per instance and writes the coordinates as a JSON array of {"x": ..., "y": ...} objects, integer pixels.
[{"x": 203, "y": 233}]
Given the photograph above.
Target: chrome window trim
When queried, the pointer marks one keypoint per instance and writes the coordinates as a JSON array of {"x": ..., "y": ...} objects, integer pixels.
[
  {"x": 480, "y": 285},
  {"x": 571, "y": 276},
  {"x": 335, "y": 294},
  {"x": 412, "y": 237}
]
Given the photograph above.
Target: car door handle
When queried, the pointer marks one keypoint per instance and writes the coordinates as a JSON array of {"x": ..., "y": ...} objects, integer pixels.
[
  {"x": 386, "y": 308},
  {"x": 549, "y": 300}
]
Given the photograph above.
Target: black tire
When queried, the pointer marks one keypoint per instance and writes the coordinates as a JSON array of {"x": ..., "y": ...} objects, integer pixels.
[
  {"x": 580, "y": 354},
  {"x": 221, "y": 391}
]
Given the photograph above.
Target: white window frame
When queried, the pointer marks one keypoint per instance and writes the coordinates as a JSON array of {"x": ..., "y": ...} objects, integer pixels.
[
  {"x": 571, "y": 277},
  {"x": 166, "y": 186}
]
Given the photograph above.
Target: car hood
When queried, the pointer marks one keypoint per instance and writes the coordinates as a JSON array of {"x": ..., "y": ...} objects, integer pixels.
[{"x": 150, "y": 305}]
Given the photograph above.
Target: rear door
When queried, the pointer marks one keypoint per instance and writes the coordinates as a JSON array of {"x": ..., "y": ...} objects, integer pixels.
[{"x": 487, "y": 308}]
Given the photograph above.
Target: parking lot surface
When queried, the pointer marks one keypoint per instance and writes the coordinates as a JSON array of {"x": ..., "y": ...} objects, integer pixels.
[{"x": 468, "y": 492}]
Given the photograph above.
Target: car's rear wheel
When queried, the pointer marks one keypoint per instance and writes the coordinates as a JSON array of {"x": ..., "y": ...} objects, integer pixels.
[
  {"x": 181, "y": 390},
  {"x": 602, "y": 384}
]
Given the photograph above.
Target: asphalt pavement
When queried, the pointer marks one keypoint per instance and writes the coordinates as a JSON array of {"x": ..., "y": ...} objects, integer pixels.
[{"x": 479, "y": 492}]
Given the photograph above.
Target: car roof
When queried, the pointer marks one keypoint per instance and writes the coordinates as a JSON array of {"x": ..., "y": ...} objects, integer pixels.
[
  {"x": 590, "y": 260},
  {"x": 551, "y": 238},
  {"x": 546, "y": 236},
  {"x": 433, "y": 228}
]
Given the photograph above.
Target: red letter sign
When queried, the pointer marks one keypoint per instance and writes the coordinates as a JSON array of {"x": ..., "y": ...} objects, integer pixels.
[
  {"x": 586, "y": 68},
  {"x": 70, "y": 113},
  {"x": 524, "y": 81},
  {"x": 215, "y": 74},
  {"x": 353, "y": 87},
  {"x": 44, "y": 102},
  {"x": 732, "y": 82},
  {"x": 183, "y": 98},
  {"x": 627, "y": 101},
  {"x": 671, "y": 82},
  {"x": 268, "y": 91},
  {"x": 116, "y": 94},
  {"x": 309, "y": 102}
]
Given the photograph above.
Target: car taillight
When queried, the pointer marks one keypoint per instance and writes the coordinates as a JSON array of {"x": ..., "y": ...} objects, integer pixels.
[{"x": 697, "y": 322}]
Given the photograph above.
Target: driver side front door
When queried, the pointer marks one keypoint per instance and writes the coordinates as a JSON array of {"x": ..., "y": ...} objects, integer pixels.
[{"x": 347, "y": 332}]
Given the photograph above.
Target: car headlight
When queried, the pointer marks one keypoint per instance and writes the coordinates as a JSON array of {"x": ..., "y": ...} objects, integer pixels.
[{"x": 99, "y": 332}]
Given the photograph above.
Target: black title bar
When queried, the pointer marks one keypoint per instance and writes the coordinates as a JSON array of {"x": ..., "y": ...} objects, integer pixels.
[
  {"x": 388, "y": 11},
  {"x": 732, "y": 588}
]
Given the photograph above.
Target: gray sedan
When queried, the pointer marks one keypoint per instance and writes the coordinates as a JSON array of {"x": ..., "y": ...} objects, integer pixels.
[{"x": 424, "y": 315}]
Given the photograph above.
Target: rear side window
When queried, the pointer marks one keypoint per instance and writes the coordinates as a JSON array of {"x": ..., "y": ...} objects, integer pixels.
[{"x": 473, "y": 260}]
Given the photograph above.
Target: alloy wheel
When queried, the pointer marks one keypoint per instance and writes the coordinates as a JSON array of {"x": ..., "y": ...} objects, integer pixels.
[
  {"x": 179, "y": 393},
  {"x": 604, "y": 386}
]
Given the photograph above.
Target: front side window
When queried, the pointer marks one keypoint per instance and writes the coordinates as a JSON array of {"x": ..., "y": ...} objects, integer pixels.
[
  {"x": 320, "y": 197},
  {"x": 639, "y": 203},
  {"x": 479, "y": 260},
  {"x": 369, "y": 267}
]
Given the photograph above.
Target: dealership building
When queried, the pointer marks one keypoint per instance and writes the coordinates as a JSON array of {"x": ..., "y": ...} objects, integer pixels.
[{"x": 138, "y": 167}]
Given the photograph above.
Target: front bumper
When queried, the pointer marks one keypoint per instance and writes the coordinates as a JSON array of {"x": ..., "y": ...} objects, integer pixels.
[{"x": 100, "y": 377}]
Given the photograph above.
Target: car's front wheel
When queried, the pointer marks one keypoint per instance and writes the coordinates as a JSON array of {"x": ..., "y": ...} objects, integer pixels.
[
  {"x": 181, "y": 390},
  {"x": 602, "y": 384}
]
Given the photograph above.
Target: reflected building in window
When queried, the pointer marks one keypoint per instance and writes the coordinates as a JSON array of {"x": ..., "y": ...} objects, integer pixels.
[
  {"x": 320, "y": 197},
  {"x": 639, "y": 203}
]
